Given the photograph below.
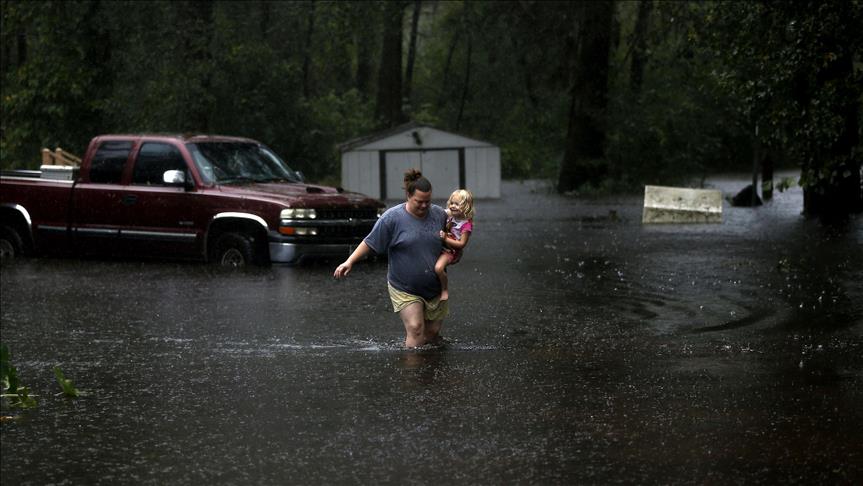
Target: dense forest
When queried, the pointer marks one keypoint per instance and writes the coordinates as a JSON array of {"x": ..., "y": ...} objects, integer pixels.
[{"x": 595, "y": 95}]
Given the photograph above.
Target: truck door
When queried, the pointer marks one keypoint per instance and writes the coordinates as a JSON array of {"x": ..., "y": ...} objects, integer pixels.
[
  {"x": 161, "y": 220},
  {"x": 98, "y": 210}
]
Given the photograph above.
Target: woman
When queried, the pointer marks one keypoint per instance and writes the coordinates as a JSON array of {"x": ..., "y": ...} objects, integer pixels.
[{"x": 410, "y": 236}]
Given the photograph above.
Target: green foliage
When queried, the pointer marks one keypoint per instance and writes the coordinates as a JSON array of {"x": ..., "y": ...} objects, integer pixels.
[
  {"x": 529, "y": 143},
  {"x": 53, "y": 98},
  {"x": 674, "y": 127},
  {"x": 494, "y": 56},
  {"x": 786, "y": 183},
  {"x": 300, "y": 77},
  {"x": 790, "y": 68},
  {"x": 332, "y": 119},
  {"x": 17, "y": 395},
  {"x": 66, "y": 385}
]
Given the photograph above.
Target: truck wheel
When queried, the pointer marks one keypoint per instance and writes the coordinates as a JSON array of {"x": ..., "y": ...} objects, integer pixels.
[
  {"x": 11, "y": 244},
  {"x": 234, "y": 250}
]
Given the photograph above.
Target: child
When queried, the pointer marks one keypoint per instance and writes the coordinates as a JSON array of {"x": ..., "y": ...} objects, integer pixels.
[{"x": 459, "y": 225}]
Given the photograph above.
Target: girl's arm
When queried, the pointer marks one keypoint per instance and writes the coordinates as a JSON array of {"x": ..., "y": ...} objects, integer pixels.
[{"x": 457, "y": 244}]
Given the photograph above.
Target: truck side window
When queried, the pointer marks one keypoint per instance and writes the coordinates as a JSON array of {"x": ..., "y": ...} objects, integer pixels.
[
  {"x": 107, "y": 165},
  {"x": 153, "y": 160}
]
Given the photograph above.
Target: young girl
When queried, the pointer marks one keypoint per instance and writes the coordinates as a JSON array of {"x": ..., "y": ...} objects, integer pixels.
[{"x": 459, "y": 225}]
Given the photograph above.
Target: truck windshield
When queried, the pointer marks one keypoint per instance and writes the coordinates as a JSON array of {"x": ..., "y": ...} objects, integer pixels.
[{"x": 239, "y": 163}]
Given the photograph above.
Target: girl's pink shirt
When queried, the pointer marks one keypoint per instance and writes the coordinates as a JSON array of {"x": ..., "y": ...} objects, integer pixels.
[{"x": 460, "y": 226}]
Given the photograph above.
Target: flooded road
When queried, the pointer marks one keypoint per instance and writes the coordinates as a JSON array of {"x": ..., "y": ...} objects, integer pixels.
[{"x": 582, "y": 348}]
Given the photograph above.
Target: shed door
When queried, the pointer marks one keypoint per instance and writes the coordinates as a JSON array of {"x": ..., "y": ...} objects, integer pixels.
[
  {"x": 440, "y": 167},
  {"x": 397, "y": 163}
]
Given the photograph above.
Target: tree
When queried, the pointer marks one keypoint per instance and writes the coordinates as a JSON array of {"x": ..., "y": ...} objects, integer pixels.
[
  {"x": 544, "y": 79},
  {"x": 61, "y": 78},
  {"x": 465, "y": 85},
  {"x": 639, "y": 45},
  {"x": 412, "y": 49},
  {"x": 790, "y": 67},
  {"x": 365, "y": 23},
  {"x": 198, "y": 32},
  {"x": 307, "y": 56},
  {"x": 389, "y": 100},
  {"x": 585, "y": 138}
]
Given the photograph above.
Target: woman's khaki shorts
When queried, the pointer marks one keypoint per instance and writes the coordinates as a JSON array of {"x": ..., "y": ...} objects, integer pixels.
[{"x": 434, "y": 310}]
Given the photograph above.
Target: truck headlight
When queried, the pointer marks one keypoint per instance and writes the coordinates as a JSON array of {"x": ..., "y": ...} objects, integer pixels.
[{"x": 298, "y": 213}]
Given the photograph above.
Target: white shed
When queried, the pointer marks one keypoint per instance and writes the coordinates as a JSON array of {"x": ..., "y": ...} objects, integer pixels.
[{"x": 375, "y": 164}]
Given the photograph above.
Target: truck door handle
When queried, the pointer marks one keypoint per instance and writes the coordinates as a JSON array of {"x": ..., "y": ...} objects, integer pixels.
[{"x": 129, "y": 199}]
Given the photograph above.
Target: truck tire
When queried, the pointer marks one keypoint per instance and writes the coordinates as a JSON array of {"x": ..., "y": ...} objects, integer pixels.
[
  {"x": 234, "y": 250},
  {"x": 11, "y": 244}
]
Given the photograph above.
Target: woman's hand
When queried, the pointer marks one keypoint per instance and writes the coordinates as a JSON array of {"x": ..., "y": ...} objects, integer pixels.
[
  {"x": 343, "y": 270},
  {"x": 442, "y": 235}
]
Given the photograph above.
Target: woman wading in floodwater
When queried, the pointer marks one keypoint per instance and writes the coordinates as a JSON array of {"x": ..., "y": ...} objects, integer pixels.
[{"x": 409, "y": 234}]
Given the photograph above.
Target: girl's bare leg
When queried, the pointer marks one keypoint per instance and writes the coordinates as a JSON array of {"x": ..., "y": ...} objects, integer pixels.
[{"x": 440, "y": 270}]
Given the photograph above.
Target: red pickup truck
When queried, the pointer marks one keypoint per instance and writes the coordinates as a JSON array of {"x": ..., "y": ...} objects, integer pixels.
[{"x": 227, "y": 200}]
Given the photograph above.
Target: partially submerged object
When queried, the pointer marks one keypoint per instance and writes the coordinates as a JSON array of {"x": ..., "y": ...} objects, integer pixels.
[
  {"x": 746, "y": 198},
  {"x": 681, "y": 205}
]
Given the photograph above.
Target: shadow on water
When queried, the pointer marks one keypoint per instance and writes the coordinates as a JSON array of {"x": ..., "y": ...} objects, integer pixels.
[{"x": 582, "y": 347}]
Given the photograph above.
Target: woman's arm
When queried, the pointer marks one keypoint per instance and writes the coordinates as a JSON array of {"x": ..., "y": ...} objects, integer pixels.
[{"x": 345, "y": 268}]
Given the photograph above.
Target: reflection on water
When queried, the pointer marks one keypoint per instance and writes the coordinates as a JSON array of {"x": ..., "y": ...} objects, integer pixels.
[
  {"x": 581, "y": 348},
  {"x": 427, "y": 367}
]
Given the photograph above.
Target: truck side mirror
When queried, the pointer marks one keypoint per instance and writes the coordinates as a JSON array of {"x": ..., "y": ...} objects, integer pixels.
[{"x": 174, "y": 177}]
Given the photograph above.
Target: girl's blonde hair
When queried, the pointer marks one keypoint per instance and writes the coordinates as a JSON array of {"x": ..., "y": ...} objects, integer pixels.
[{"x": 466, "y": 201}]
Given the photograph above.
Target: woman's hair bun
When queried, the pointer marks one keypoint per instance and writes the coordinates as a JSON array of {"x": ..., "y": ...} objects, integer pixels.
[
  {"x": 412, "y": 175},
  {"x": 414, "y": 180}
]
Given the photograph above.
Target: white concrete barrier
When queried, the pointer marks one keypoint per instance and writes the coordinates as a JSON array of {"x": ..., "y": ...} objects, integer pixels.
[{"x": 681, "y": 205}]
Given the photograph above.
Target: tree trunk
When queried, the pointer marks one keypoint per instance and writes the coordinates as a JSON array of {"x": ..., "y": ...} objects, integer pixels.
[
  {"x": 264, "y": 24},
  {"x": 364, "y": 64},
  {"x": 465, "y": 87},
  {"x": 767, "y": 176},
  {"x": 389, "y": 100},
  {"x": 526, "y": 72},
  {"x": 839, "y": 193},
  {"x": 22, "y": 48},
  {"x": 583, "y": 160},
  {"x": 206, "y": 117},
  {"x": 307, "y": 52},
  {"x": 444, "y": 90},
  {"x": 412, "y": 48},
  {"x": 364, "y": 68},
  {"x": 98, "y": 49},
  {"x": 756, "y": 154},
  {"x": 198, "y": 36},
  {"x": 639, "y": 46}
]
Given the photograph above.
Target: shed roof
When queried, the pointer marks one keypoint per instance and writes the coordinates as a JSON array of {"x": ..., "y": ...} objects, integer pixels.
[{"x": 411, "y": 126}]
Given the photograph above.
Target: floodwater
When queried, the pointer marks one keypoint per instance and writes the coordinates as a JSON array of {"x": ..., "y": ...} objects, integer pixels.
[{"x": 582, "y": 348}]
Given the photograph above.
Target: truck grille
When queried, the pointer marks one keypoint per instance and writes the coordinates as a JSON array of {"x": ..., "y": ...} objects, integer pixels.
[
  {"x": 334, "y": 226},
  {"x": 351, "y": 232},
  {"x": 351, "y": 213}
]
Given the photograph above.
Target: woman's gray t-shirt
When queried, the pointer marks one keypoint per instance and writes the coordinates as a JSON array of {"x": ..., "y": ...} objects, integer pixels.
[{"x": 412, "y": 246}]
